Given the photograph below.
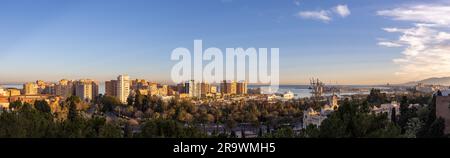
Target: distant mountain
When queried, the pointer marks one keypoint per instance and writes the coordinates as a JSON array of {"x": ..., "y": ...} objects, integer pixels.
[{"x": 434, "y": 81}]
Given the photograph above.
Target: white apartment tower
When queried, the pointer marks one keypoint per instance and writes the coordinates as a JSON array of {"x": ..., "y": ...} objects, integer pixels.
[{"x": 123, "y": 87}]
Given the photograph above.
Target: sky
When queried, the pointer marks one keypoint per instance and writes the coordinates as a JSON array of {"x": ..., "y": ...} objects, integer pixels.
[{"x": 340, "y": 42}]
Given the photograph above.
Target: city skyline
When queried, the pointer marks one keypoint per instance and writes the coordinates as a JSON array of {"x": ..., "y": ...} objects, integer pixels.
[{"x": 99, "y": 39}]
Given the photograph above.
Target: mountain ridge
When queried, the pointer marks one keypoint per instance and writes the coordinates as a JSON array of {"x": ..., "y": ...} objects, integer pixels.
[{"x": 433, "y": 80}]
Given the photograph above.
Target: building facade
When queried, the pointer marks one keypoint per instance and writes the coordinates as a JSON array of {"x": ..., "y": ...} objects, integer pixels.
[
  {"x": 30, "y": 88},
  {"x": 86, "y": 89},
  {"x": 64, "y": 88},
  {"x": 443, "y": 109},
  {"x": 123, "y": 88},
  {"x": 241, "y": 88},
  {"x": 111, "y": 88}
]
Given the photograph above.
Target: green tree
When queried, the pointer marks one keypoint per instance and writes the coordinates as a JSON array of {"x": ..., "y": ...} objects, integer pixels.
[
  {"x": 108, "y": 103},
  {"x": 73, "y": 112},
  {"x": 42, "y": 106},
  {"x": 15, "y": 104}
]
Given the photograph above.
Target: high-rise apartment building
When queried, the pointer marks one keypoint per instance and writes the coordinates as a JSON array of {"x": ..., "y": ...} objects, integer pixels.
[
  {"x": 111, "y": 88},
  {"x": 233, "y": 87},
  {"x": 204, "y": 89},
  {"x": 241, "y": 88},
  {"x": 193, "y": 88},
  {"x": 123, "y": 88},
  {"x": 86, "y": 89},
  {"x": 213, "y": 89},
  {"x": 225, "y": 87},
  {"x": 153, "y": 88},
  {"x": 181, "y": 88},
  {"x": 30, "y": 88},
  {"x": 64, "y": 88},
  {"x": 163, "y": 91}
]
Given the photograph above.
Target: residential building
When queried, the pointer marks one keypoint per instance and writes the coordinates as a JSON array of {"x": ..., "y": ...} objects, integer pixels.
[
  {"x": 50, "y": 88},
  {"x": 41, "y": 85},
  {"x": 3, "y": 92},
  {"x": 4, "y": 102},
  {"x": 241, "y": 88},
  {"x": 205, "y": 89},
  {"x": 13, "y": 92},
  {"x": 123, "y": 88},
  {"x": 30, "y": 88},
  {"x": 193, "y": 88},
  {"x": 213, "y": 89},
  {"x": 443, "y": 109},
  {"x": 181, "y": 88},
  {"x": 64, "y": 88},
  {"x": 225, "y": 87},
  {"x": 29, "y": 98},
  {"x": 86, "y": 89},
  {"x": 111, "y": 88},
  {"x": 288, "y": 95},
  {"x": 139, "y": 84},
  {"x": 426, "y": 88},
  {"x": 233, "y": 87},
  {"x": 153, "y": 88},
  {"x": 387, "y": 108},
  {"x": 163, "y": 91}
]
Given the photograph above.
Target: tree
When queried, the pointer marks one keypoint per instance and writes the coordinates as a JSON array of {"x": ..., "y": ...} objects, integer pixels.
[
  {"x": 412, "y": 128},
  {"x": 311, "y": 131},
  {"x": 376, "y": 97},
  {"x": 109, "y": 103},
  {"x": 15, "y": 104},
  {"x": 168, "y": 129},
  {"x": 433, "y": 127},
  {"x": 351, "y": 121},
  {"x": 73, "y": 112},
  {"x": 405, "y": 113},
  {"x": 394, "y": 115},
  {"x": 437, "y": 128},
  {"x": 42, "y": 106}
]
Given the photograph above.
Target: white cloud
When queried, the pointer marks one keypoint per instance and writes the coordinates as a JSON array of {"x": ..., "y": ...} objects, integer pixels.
[
  {"x": 321, "y": 15},
  {"x": 427, "y": 41},
  {"x": 342, "y": 10},
  {"x": 433, "y": 14},
  {"x": 389, "y": 44},
  {"x": 325, "y": 15}
]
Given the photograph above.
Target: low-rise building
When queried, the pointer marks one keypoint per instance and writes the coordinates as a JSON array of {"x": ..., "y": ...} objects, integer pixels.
[
  {"x": 28, "y": 98},
  {"x": 288, "y": 95},
  {"x": 3, "y": 92},
  {"x": 13, "y": 92},
  {"x": 312, "y": 117},
  {"x": 387, "y": 108},
  {"x": 4, "y": 103}
]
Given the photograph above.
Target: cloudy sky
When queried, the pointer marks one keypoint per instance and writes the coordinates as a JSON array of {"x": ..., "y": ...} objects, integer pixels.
[{"x": 344, "y": 42}]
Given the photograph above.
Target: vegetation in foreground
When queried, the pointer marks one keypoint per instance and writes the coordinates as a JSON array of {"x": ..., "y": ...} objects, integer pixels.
[{"x": 182, "y": 119}]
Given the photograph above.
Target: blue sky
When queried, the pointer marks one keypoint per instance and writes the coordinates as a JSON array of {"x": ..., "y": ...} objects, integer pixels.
[{"x": 99, "y": 39}]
